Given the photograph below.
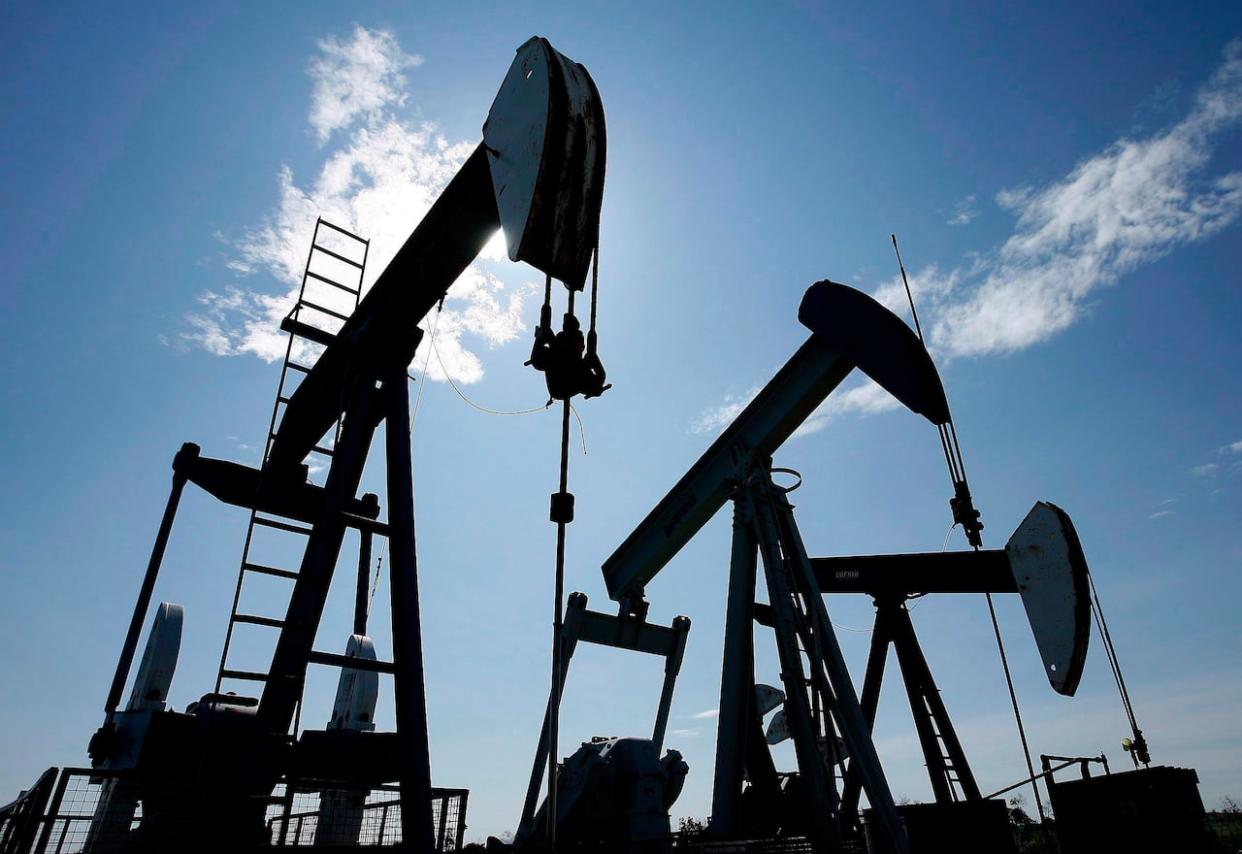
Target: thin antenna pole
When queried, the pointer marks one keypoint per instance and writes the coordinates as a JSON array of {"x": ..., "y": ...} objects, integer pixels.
[{"x": 909, "y": 295}]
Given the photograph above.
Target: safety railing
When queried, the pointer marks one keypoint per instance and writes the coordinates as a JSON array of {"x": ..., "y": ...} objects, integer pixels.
[
  {"x": 19, "y": 821},
  {"x": 344, "y": 817},
  {"x": 87, "y": 811}
]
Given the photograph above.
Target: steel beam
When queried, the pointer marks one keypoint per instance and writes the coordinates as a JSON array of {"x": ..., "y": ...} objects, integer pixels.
[
  {"x": 787, "y": 400},
  {"x": 737, "y": 677},
  {"x": 910, "y": 574},
  {"x": 189, "y": 451},
  {"x": 817, "y": 778},
  {"x": 323, "y": 546},
  {"x": 846, "y": 709},
  {"x": 409, "y": 688},
  {"x": 383, "y": 333}
]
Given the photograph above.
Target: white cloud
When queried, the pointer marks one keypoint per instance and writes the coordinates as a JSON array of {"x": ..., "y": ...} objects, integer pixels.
[
  {"x": 1205, "y": 470},
  {"x": 706, "y": 714},
  {"x": 1232, "y": 448},
  {"x": 964, "y": 211},
  {"x": 359, "y": 77},
  {"x": 378, "y": 182},
  {"x": 1129, "y": 205},
  {"x": 1160, "y": 514},
  {"x": 866, "y": 398},
  {"x": 716, "y": 417}
]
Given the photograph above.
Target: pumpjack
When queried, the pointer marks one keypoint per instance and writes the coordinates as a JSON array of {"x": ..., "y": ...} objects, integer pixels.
[
  {"x": 206, "y": 778},
  {"x": 819, "y": 707}
]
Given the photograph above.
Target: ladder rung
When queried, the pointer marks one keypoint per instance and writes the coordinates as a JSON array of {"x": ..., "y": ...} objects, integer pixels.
[
  {"x": 333, "y": 659},
  {"x": 305, "y": 330},
  {"x": 249, "y": 675},
  {"x": 327, "y": 452},
  {"x": 336, "y": 227},
  {"x": 281, "y": 526},
  {"x": 300, "y": 368},
  {"x": 270, "y": 570},
  {"x": 338, "y": 256},
  {"x": 328, "y": 281},
  {"x": 255, "y": 620},
  {"x": 280, "y": 398},
  {"x": 308, "y": 304}
]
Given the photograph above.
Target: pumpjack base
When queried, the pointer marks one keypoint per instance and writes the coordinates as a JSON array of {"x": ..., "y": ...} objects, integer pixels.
[{"x": 965, "y": 827}]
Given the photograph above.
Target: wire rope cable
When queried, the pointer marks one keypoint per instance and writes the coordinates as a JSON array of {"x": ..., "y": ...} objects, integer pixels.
[{"x": 957, "y": 473}]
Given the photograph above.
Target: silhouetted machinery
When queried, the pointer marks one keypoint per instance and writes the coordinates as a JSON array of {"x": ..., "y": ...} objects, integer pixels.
[
  {"x": 207, "y": 778},
  {"x": 819, "y": 708}
]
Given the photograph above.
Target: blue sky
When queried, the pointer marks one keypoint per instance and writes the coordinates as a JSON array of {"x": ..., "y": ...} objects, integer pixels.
[{"x": 1066, "y": 184}]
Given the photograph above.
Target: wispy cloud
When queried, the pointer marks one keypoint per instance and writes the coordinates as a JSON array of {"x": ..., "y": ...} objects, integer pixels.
[
  {"x": 358, "y": 77},
  {"x": 964, "y": 211},
  {"x": 716, "y": 417},
  {"x": 1160, "y": 514},
  {"x": 379, "y": 180},
  {"x": 1131, "y": 204},
  {"x": 706, "y": 714},
  {"x": 1229, "y": 467}
]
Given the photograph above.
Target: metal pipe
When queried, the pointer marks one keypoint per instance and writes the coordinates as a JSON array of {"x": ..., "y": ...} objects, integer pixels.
[
  {"x": 672, "y": 666},
  {"x": 558, "y": 617},
  {"x": 737, "y": 675},
  {"x": 1031, "y": 779},
  {"x": 417, "y": 826},
  {"x": 188, "y": 451},
  {"x": 362, "y": 593},
  {"x": 569, "y": 641}
]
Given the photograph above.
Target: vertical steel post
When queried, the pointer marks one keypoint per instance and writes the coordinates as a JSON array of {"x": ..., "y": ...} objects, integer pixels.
[
  {"x": 188, "y": 451},
  {"x": 672, "y": 666},
  {"x": 362, "y": 592},
  {"x": 417, "y": 826},
  {"x": 569, "y": 643},
  {"x": 873, "y": 679},
  {"x": 737, "y": 676},
  {"x": 816, "y": 776},
  {"x": 562, "y": 513},
  {"x": 443, "y": 828}
]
